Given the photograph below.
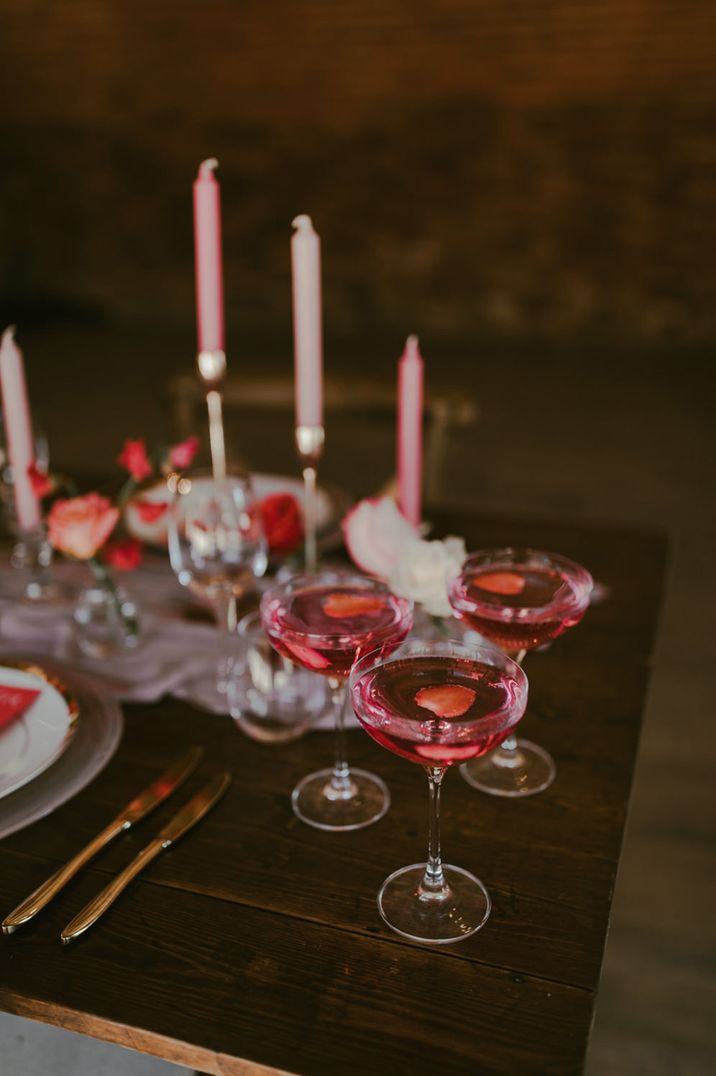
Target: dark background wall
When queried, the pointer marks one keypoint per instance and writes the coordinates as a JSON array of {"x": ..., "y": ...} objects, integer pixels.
[
  {"x": 478, "y": 169},
  {"x": 528, "y": 184}
]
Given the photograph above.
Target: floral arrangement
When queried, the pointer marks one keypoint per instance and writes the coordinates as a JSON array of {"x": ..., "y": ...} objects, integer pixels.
[
  {"x": 81, "y": 526},
  {"x": 84, "y": 527},
  {"x": 384, "y": 544}
]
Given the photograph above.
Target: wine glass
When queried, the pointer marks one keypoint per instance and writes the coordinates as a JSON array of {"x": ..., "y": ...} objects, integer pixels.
[
  {"x": 217, "y": 548},
  {"x": 519, "y": 599},
  {"x": 437, "y": 704},
  {"x": 324, "y": 622}
]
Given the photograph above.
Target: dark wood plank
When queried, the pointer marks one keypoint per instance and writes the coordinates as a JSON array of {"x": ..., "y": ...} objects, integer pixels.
[
  {"x": 206, "y": 983},
  {"x": 550, "y": 862}
]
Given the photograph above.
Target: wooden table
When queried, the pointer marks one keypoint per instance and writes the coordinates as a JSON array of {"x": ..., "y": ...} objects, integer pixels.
[{"x": 256, "y": 942}]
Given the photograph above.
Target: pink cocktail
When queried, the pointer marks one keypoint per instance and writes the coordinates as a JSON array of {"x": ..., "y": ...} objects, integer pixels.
[
  {"x": 519, "y": 599},
  {"x": 437, "y": 704},
  {"x": 325, "y": 622}
]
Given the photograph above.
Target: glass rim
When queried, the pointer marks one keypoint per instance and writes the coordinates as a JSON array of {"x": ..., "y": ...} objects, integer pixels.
[
  {"x": 305, "y": 579},
  {"x": 377, "y": 658},
  {"x": 580, "y": 578}
]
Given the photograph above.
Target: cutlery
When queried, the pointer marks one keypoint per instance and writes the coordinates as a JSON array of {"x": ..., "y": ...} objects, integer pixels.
[
  {"x": 191, "y": 813},
  {"x": 141, "y": 805}
]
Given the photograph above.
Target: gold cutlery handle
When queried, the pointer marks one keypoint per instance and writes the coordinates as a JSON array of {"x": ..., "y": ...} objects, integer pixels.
[
  {"x": 50, "y": 888},
  {"x": 99, "y": 904}
]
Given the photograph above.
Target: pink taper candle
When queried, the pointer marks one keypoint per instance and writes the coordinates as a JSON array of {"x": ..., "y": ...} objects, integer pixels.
[
  {"x": 307, "y": 332},
  {"x": 18, "y": 430},
  {"x": 207, "y": 246},
  {"x": 410, "y": 431}
]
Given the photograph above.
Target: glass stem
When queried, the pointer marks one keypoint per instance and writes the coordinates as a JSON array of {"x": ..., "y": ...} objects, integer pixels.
[
  {"x": 433, "y": 885},
  {"x": 309, "y": 483},
  {"x": 226, "y": 610},
  {"x": 341, "y": 785},
  {"x": 509, "y": 744}
]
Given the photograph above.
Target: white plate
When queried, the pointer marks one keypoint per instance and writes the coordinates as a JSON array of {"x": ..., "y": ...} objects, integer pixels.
[
  {"x": 263, "y": 484},
  {"x": 34, "y": 741}
]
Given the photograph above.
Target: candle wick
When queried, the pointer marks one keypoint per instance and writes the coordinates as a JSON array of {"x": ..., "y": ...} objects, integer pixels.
[
  {"x": 303, "y": 224},
  {"x": 412, "y": 350},
  {"x": 9, "y": 333},
  {"x": 207, "y": 166}
]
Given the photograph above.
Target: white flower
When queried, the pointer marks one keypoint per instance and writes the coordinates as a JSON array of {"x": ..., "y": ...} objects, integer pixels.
[
  {"x": 424, "y": 571},
  {"x": 375, "y": 534}
]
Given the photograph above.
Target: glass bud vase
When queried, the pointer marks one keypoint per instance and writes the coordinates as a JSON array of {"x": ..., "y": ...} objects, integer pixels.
[{"x": 106, "y": 620}]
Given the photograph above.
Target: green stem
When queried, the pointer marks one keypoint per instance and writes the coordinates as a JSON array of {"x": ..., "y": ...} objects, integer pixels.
[{"x": 103, "y": 577}]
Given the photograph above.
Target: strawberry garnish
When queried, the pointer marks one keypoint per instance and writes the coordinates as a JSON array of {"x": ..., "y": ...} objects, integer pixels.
[
  {"x": 447, "y": 700},
  {"x": 447, "y": 753},
  {"x": 307, "y": 656},
  {"x": 345, "y": 605},
  {"x": 501, "y": 582}
]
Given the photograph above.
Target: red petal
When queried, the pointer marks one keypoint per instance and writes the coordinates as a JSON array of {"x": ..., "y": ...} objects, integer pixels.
[
  {"x": 446, "y": 700},
  {"x": 150, "y": 511},
  {"x": 307, "y": 656},
  {"x": 345, "y": 605},
  {"x": 501, "y": 582}
]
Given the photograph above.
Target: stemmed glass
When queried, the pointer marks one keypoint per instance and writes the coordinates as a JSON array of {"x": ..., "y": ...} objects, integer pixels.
[
  {"x": 324, "y": 622},
  {"x": 437, "y": 704},
  {"x": 217, "y": 548},
  {"x": 519, "y": 599}
]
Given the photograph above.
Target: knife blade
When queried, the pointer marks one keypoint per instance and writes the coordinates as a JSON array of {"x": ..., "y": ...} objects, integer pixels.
[
  {"x": 191, "y": 813},
  {"x": 155, "y": 793}
]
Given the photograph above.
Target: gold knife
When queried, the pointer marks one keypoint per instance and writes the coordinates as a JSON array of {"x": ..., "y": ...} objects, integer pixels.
[
  {"x": 190, "y": 814},
  {"x": 140, "y": 806}
]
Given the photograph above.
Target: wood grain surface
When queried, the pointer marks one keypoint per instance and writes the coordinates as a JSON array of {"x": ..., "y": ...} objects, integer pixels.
[{"x": 257, "y": 939}]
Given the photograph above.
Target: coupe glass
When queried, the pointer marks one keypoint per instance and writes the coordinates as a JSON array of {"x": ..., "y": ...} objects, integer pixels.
[
  {"x": 217, "y": 548},
  {"x": 325, "y": 622},
  {"x": 272, "y": 699},
  {"x": 437, "y": 704},
  {"x": 519, "y": 599}
]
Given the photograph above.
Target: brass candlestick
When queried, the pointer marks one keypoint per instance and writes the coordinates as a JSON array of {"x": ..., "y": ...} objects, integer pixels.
[
  {"x": 212, "y": 370},
  {"x": 309, "y": 443}
]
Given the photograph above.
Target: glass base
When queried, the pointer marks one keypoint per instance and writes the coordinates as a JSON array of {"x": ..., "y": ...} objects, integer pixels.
[
  {"x": 523, "y": 772},
  {"x": 430, "y": 918},
  {"x": 317, "y": 803}
]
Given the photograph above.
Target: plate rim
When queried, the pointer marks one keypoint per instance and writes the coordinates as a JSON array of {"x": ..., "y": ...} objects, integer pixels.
[{"x": 32, "y": 668}]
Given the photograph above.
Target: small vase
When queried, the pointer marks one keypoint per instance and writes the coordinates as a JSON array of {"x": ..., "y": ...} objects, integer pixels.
[{"x": 106, "y": 620}]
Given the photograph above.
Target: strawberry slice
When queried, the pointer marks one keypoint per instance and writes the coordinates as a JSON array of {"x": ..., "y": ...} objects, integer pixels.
[
  {"x": 307, "y": 656},
  {"x": 14, "y": 701},
  {"x": 447, "y": 700},
  {"x": 501, "y": 582},
  {"x": 446, "y": 753},
  {"x": 340, "y": 605}
]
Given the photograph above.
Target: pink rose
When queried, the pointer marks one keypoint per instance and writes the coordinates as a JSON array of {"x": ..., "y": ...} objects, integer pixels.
[
  {"x": 375, "y": 534},
  {"x": 282, "y": 521},
  {"x": 134, "y": 459},
  {"x": 80, "y": 526},
  {"x": 125, "y": 555},
  {"x": 182, "y": 455}
]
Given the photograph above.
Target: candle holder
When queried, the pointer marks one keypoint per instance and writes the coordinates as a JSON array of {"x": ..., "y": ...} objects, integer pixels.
[
  {"x": 212, "y": 370},
  {"x": 32, "y": 555},
  {"x": 309, "y": 444}
]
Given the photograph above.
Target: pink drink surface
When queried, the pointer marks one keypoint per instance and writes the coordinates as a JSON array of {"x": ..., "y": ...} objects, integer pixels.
[
  {"x": 438, "y": 711},
  {"x": 517, "y": 607},
  {"x": 325, "y": 628}
]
